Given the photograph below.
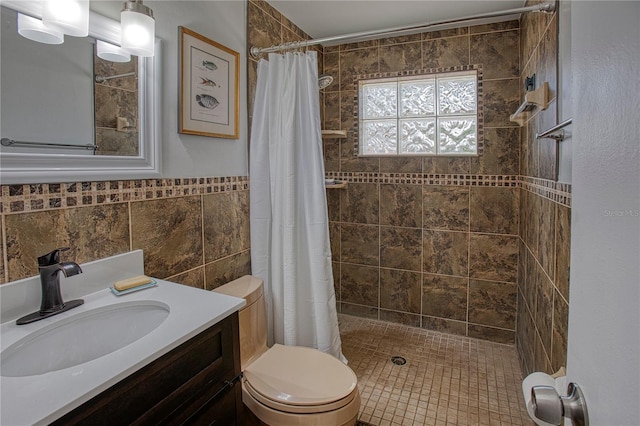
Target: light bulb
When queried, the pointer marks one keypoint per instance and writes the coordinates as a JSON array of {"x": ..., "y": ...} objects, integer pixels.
[
  {"x": 111, "y": 52},
  {"x": 34, "y": 29},
  {"x": 68, "y": 16},
  {"x": 138, "y": 29}
]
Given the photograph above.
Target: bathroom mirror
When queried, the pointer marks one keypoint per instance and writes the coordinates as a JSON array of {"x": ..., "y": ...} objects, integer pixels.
[{"x": 64, "y": 113}]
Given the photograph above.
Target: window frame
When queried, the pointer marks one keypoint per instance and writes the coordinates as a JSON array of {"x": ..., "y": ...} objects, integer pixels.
[{"x": 395, "y": 77}]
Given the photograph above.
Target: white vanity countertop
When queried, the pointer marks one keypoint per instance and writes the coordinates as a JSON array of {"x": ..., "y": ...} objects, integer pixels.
[{"x": 40, "y": 399}]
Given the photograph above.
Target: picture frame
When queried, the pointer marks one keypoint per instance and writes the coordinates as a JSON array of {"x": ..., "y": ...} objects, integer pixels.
[{"x": 209, "y": 87}]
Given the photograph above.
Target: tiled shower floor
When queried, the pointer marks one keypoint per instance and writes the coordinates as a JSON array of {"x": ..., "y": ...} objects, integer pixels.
[{"x": 447, "y": 380}]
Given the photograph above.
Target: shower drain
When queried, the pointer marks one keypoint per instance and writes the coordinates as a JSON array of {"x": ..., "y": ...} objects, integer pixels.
[{"x": 398, "y": 360}]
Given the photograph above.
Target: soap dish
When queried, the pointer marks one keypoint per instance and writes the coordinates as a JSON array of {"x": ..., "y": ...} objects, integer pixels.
[{"x": 153, "y": 283}]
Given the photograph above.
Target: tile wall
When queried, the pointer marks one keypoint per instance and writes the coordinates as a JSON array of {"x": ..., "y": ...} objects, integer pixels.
[
  {"x": 116, "y": 98},
  {"x": 545, "y": 229},
  {"x": 194, "y": 231},
  {"x": 464, "y": 246},
  {"x": 268, "y": 27},
  {"x": 429, "y": 242}
]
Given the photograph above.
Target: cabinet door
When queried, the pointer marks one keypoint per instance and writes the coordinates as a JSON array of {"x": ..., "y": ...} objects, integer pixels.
[{"x": 170, "y": 389}]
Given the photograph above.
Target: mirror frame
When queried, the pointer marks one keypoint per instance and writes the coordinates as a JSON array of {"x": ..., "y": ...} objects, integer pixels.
[{"x": 23, "y": 168}]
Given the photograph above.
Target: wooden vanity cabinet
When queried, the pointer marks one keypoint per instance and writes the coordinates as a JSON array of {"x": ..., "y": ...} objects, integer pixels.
[{"x": 197, "y": 383}]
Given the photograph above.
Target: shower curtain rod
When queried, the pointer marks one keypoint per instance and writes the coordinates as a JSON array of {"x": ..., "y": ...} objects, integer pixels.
[{"x": 547, "y": 7}]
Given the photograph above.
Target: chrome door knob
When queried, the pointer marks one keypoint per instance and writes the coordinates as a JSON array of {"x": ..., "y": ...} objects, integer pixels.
[{"x": 550, "y": 407}]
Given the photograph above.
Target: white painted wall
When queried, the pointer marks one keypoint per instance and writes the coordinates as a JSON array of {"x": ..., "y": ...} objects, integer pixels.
[
  {"x": 223, "y": 22},
  {"x": 604, "y": 319}
]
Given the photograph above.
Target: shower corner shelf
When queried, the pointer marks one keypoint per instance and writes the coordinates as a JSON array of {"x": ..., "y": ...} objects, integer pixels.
[
  {"x": 536, "y": 98},
  {"x": 334, "y": 134},
  {"x": 337, "y": 185}
]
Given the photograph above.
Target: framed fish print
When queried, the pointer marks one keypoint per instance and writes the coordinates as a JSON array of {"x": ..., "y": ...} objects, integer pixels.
[{"x": 209, "y": 87}]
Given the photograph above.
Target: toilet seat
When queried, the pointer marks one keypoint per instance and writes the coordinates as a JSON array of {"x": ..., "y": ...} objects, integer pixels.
[{"x": 296, "y": 379}]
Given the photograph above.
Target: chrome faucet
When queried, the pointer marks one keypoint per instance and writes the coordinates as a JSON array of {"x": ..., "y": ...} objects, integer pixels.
[{"x": 49, "y": 266}]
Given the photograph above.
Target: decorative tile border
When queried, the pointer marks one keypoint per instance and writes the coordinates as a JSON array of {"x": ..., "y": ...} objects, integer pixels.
[
  {"x": 427, "y": 179},
  {"x": 555, "y": 191},
  {"x": 40, "y": 197}
]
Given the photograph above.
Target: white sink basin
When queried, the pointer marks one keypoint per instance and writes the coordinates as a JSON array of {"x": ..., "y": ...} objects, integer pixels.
[{"x": 82, "y": 338}]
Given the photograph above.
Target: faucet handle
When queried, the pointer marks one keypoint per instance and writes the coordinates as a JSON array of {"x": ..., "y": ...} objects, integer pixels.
[{"x": 52, "y": 257}]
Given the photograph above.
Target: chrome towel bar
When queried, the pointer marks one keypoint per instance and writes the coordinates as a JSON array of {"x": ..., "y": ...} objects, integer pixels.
[
  {"x": 555, "y": 132},
  {"x": 11, "y": 142}
]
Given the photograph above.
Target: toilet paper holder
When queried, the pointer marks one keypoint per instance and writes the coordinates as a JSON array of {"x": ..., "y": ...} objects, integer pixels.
[{"x": 550, "y": 407}]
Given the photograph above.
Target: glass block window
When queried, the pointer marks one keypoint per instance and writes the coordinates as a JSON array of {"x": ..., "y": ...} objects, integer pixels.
[{"x": 435, "y": 114}]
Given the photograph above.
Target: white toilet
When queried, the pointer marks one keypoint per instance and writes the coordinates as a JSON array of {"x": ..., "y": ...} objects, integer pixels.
[{"x": 289, "y": 385}]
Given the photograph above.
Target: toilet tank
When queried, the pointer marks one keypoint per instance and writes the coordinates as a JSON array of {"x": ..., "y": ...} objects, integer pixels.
[{"x": 252, "y": 317}]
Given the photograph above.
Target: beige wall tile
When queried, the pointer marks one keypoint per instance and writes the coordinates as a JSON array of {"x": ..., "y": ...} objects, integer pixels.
[
  {"x": 493, "y": 334},
  {"x": 91, "y": 232},
  {"x": 360, "y": 244},
  {"x": 494, "y": 210},
  {"x": 501, "y": 153},
  {"x": 359, "y": 310},
  {"x": 446, "y": 165},
  {"x": 445, "y": 297},
  {"x": 359, "y": 203},
  {"x": 170, "y": 233},
  {"x": 227, "y": 269},
  {"x": 444, "y": 325},
  {"x": 192, "y": 278},
  {"x": 226, "y": 224},
  {"x": 401, "y": 165},
  {"x": 359, "y": 284},
  {"x": 400, "y": 318},
  {"x": 402, "y": 205},
  {"x": 546, "y": 240},
  {"x": 400, "y": 57},
  {"x": 501, "y": 99},
  {"x": 492, "y": 303},
  {"x": 446, "y": 252},
  {"x": 445, "y": 52},
  {"x": 334, "y": 240},
  {"x": 563, "y": 249},
  {"x": 264, "y": 29},
  {"x": 400, "y": 290},
  {"x": 497, "y": 52},
  {"x": 493, "y": 257},
  {"x": 543, "y": 314},
  {"x": 560, "y": 332},
  {"x": 445, "y": 208},
  {"x": 400, "y": 248},
  {"x": 333, "y": 205}
]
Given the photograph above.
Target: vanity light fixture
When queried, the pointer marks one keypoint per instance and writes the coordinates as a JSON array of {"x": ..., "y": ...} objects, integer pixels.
[
  {"x": 111, "y": 52},
  {"x": 68, "y": 16},
  {"x": 34, "y": 29},
  {"x": 138, "y": 28}
]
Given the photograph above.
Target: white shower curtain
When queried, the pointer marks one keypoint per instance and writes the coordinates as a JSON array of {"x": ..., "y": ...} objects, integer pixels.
[{"x": 288, "y": 209}]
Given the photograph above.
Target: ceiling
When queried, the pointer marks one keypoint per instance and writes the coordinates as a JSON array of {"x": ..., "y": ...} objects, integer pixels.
[{"x": 324, "y": 18}]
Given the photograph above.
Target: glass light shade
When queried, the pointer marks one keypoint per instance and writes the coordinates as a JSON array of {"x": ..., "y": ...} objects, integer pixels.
[
  {"x": 138, "y": 33},
  {"x": 69, "y": 16},
  {"x": 111, "y": 52},
  {"x": 34, "y": 29}
]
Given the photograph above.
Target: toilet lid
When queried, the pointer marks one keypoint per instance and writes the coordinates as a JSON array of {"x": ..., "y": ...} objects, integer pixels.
[{"x": 299, "y": 376}]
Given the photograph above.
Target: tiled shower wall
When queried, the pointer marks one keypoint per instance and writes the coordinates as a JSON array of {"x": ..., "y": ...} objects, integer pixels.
[
  {"x": 268, "y": 27},
  {"x": 429, "y": 242},
  {"x": 116, "y": 98},
  {"x": 545, "y": 231},
  {"x": 193, "y": 231},
  {"x": 442, "y": 243}
]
